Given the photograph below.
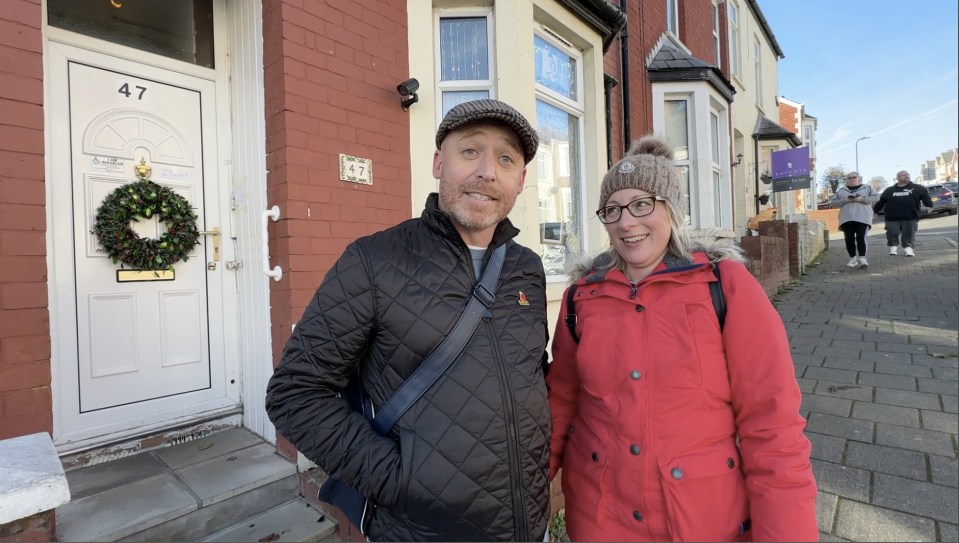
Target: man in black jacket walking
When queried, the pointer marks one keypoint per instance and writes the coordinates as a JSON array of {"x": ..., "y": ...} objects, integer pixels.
[
  {"x": 901, "y": 203},
  {"x": 469, "y": 460}
]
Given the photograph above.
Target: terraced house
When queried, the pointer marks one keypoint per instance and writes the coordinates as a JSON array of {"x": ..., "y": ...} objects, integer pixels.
[{"x": 131, "y": 397}]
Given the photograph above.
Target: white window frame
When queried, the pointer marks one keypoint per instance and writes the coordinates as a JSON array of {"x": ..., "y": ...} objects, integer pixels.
[
  {"x": 488, "y": 85},
  {"x": 689, "y": 161},
  {"x": 672, "y": 17},
  {"x": 735, "y": 49},
  {"x": 710, "y": 203},
  {"x": 717, "y": 43},
  {"x": 758, "y": 68},
  {"x": 576, "y": 108}
]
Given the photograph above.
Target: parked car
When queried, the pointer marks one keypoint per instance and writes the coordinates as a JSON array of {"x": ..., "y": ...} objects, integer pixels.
[
  {"x": 943, "y": 200},
  {"x": 953, "y": 186}
]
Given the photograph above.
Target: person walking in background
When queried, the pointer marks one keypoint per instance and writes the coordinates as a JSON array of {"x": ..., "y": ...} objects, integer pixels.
[
  {"x": 673, "y": 420},
  {"x": 855, "y": 202},
  {"x": 900, "y": 203},
  {"x": 468, "y": 462}
]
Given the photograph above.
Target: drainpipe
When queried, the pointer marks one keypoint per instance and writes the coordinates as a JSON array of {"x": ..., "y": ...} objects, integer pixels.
[
  {"x": 624, "y": 53},
  {"x": 756, "y": 168},
  {"x": 608, "y": 83}
]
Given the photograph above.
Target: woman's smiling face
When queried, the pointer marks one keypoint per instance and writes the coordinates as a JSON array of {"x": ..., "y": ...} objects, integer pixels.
[{"x": 640, "y": 241}]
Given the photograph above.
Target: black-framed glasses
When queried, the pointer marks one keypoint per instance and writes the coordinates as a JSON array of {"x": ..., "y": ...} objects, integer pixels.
[{"x": 640, "y": 207}]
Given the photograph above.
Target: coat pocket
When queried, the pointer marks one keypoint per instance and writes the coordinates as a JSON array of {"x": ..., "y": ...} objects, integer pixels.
[
  {"x": 585, "y": 484},
  {"x": 705, "y": 495}
]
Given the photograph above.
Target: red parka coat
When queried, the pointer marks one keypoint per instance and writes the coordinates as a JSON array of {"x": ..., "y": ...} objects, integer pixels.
[{"x": 668, "y": 428}]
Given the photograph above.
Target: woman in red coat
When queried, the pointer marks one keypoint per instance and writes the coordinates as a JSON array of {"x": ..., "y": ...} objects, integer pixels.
[{"x": 668, "y": 425}]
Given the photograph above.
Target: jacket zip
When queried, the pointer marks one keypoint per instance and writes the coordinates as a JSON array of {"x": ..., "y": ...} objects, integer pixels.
[{"x": 520, "y": 524}]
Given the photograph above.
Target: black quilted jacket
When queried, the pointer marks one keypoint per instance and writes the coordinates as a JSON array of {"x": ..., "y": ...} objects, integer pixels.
[{"x": 469, "y": 460}]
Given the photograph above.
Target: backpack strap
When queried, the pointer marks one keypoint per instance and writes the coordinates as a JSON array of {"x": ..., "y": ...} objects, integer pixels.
[
  {"x": 715, "y": 292},
  {"x": 571, "y": 312},
  {"x": 719, "y": 299}
]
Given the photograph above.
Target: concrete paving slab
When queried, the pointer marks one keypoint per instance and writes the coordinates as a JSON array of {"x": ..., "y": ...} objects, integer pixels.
[
  {"x": 292, "y": 521},
  {"x": 824, "y": 404},
  {"x": 231, "y": 474},
  {"x": 844, "y": 390},
  {"x": 826, "y": 510},
  {"x": 203, "y": 449},
  {"x": 924, "y": 499},
  {"x": 831, "y": 374},
  {"x": 901, "y": 462},
  {"x": 938, "y": 386},
  {"x": 116, "y": 513},
  {"x": 939, "y": 421},
  {"x": 843, "y": 481},
  {"x": 99, "y": 477},
  {"x": 915, "y": 439},
  {"x": 899, "y": 382},
  {"x": 948, "y": 532},
  {"x": 862, "y": 522},
  {"x": 828, "y": 448},
  {"x": 907, "y": 398},
  {"x": 890, "y": 414},
  {"x": 944, "y": 470},
  {"x": 859, "y": 430}
]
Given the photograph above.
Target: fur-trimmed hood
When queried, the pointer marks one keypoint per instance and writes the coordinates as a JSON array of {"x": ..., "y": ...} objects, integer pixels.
[{"x": 708, "y": 242}]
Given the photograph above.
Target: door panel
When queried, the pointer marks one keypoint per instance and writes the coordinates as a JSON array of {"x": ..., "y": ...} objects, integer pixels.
[{"x": 125, "y": 120}]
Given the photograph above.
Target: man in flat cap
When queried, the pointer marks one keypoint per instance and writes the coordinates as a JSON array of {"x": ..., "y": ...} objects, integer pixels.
[{"x": 468, "y": 459}]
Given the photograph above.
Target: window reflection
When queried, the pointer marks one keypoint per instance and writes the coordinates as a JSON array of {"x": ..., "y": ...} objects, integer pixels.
[
  {"x": 463, "y": 49},
  {"x": 559, "y": 184},
  {"x": 178, "y": 29}
]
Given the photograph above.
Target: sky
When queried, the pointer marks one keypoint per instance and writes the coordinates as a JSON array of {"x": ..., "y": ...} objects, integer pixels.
[{"x": 885, "y": 69}]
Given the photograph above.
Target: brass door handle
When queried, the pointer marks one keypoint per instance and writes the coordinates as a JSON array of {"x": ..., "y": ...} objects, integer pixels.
[{"x": 216, "y": 241}]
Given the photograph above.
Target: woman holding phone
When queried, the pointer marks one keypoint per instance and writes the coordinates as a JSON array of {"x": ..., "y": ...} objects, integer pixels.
[{"x": 855, "y": 202}]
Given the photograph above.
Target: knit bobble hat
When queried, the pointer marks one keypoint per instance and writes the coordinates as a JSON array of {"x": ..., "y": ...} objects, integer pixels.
[
  {"x": 648, "y": 166},
  {"x": 490, "y": 111}
]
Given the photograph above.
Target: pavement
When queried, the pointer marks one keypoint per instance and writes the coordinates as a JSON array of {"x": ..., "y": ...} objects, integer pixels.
[{"x": 876, "y": 352}]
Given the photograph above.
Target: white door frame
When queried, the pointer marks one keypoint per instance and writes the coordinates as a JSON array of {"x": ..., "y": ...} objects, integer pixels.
[{"x": 240, "y": 133}]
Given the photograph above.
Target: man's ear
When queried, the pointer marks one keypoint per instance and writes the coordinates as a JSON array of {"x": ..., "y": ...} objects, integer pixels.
[
  {"x": 522, "y": 181},
  {"x": 437, "y": 165}
]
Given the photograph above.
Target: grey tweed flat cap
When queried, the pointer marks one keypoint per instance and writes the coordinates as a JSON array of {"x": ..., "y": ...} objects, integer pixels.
[{"x": 496, "y": 112}]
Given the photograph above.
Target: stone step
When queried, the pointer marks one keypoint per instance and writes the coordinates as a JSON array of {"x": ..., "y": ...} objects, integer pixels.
[
  {"x": 180, "y": 493},
  {"x": 295, "y": 520}
]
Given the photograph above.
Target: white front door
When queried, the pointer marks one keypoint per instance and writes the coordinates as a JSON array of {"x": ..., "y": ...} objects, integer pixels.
[{"x": 135, "y": 356}]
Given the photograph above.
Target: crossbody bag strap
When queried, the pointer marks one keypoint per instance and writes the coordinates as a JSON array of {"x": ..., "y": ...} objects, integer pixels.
[{"x": 448, "y": 350}]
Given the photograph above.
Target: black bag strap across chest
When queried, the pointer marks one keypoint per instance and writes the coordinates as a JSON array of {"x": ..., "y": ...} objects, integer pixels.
[
  {"x": 715, "y": 292},
  {"x": 447, "y": 351}
]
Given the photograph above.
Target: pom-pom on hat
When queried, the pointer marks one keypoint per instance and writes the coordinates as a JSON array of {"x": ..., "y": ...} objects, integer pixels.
[
  {"x": 495, "y": 112},
  {"x": 648, "y": 166}
]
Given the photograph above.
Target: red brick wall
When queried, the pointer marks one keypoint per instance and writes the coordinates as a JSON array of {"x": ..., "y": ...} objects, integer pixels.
[
  {"x": 788, "y": 117},
  {"x": 828, "y": 216},
  {"x": 331, "y": 68},
  {"x": 646, "y": 23},
  {"x": 25, "y": 405},
  {"x": 39, "y": 527},
  {"x": 696, "y": 28}
]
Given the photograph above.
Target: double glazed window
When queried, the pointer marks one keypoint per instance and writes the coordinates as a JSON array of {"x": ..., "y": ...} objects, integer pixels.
[
  {"x": 464, "y": 59},
  {"x": 559, "y": 113}
]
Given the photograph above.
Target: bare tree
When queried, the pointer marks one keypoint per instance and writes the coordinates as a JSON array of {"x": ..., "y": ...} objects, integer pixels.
[
  {"x": 878, "y": 183},
  {"x": 832, "y": 178}
]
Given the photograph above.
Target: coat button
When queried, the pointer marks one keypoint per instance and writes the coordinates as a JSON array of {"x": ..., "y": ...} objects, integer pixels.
[
  {"x": 637, "y": 516},
  {"x": 640, "y": 309},
  {"x": 635, "y": 375},
  {"x": 634, "y": 449},
  {"x": 595, "y": 457},
  {"x": 731, "y": 463},
  {"x": 570, "y": 430},
  {"x": 676, "y": 473}
]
